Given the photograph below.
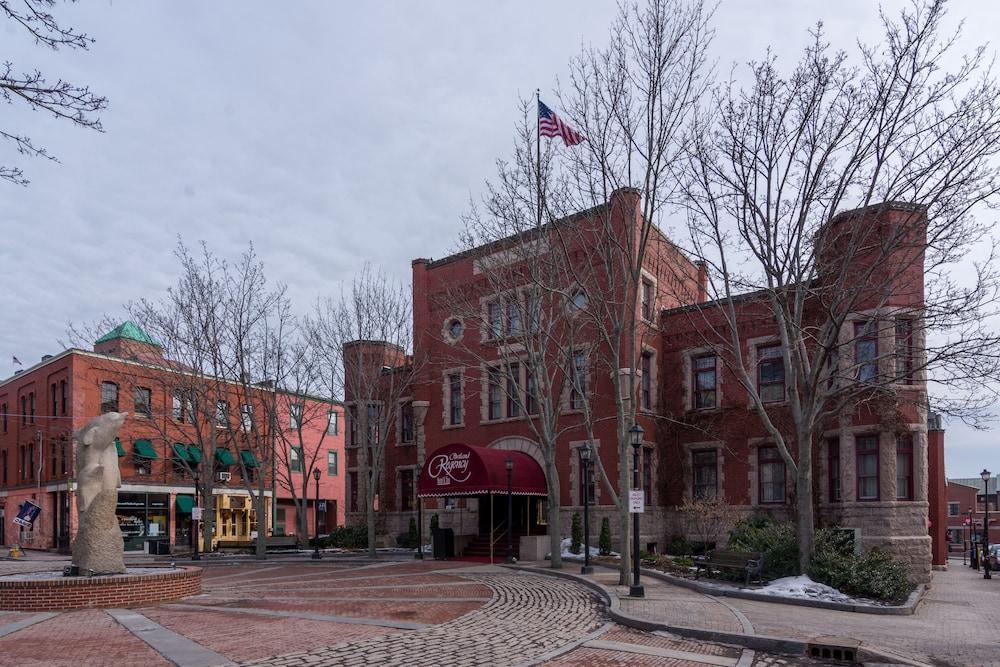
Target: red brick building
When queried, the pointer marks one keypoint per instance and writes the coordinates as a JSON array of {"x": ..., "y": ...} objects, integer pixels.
[
  {"x": 967, "y": 507},
  {"x": 161, "y": 444},
  {"x": 873, "y": 469}
]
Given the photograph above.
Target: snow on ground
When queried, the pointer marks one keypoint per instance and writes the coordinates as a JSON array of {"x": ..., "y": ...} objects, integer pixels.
[
  {"x": 594, "y": 551},
  {"x": 803, "y": 587}
]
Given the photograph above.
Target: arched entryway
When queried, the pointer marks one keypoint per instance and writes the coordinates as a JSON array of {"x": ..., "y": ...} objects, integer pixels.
[{"x": 459, "y": 470}]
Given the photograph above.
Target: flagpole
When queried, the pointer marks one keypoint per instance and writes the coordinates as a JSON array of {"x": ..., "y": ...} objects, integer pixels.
[{"x": 538, "y": 154}]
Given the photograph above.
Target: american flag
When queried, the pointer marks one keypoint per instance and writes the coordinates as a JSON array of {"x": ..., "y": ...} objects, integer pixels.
[{"x": 550, "y": 125}]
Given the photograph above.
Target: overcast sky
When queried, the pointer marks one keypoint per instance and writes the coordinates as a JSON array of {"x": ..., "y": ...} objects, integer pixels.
[{"x": 328, "y": 133}]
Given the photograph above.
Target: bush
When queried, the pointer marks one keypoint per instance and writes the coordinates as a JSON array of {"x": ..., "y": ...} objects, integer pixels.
[
  {"x": 347, "y": 537},
  {"x": 434, "y": 522},
  {"x": 875, "y": 574},
  {"x": 408, "y": 540},
  {"x": 604, "y": 542},
  {"x": 576, "y": 534},
  {"x": 775, "y": 540},
  {"x": 678, "y": 546}
]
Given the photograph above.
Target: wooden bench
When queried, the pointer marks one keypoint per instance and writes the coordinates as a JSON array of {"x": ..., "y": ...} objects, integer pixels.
[{"x": 749, "y": 562}]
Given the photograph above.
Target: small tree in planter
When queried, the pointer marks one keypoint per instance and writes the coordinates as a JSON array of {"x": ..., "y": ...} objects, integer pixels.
[
  {"x": 604, "y": 542},
  {"x": 707, "y": 519},
  {"x": 576, "y": 535}
]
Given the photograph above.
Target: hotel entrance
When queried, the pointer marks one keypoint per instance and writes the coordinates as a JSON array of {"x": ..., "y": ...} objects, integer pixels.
[{"x": 489, "y": 475}]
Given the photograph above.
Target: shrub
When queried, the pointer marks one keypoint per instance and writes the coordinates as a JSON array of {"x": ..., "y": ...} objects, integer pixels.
[
  {"x": 678, "y": 546},
  {"x": 347, "y": 537},
  {"x": 408, "y": 540},
  {"x": 875, "y": 574},
  {"x": 775, "y": 540},
  {"x": 684, "y": 562},
  {"x": 604, "y": 542},
  {"x": 576, "y": 534},
  {"x": 434, "y": 522}
]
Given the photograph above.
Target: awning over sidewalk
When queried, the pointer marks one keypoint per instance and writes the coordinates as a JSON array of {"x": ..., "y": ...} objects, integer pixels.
[{"x": 461, "y": 470}]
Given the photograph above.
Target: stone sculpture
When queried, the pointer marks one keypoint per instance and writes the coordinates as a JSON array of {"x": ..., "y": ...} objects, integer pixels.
[{"x": 99, "y": 547}]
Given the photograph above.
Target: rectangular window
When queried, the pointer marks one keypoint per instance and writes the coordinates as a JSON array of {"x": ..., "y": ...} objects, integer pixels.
[
  {"x": 222, "y": 414},
  {"x": 493, "y": 394},
  {"x": 246, "y": 417},
  {"x": 406, "y": 491},
  {"x": 4, "y": 408},
  {"x": 31, "y": 407},
  {"x": 143, "y": 401},
  {"x": 770, "y": 373},
  {"x": 31, "y": 460},
  {"x": 578, "y": 378},
  {"x": 374, "y": 430},
  {"x": 866, "y": 349},
  {"x": 833, "y": 468},
  {"x": 109, "y": 397},
  {"x": 647, "y": 300},
  {"x": 352, "y": 422},
  {"x": 55, "y": 400},
  {"x": 332, "y": 422},
  {"x": 24, "y": 409},
  {"x": 530, "y": 392},
  {"x": 904, "y": 468},
  {"x": 706, "y": 474},
  {"x": 64, "y": 398},
  {"x": 406, "y": 422},
  {"x": 177, "y": 405},
  {"x": 331, "y": 463},
  {"x": 494, "y": 317},
  {"x": 647, "y": 475},
  {"x": 3, "y": 460},
  {"x": 295, "y": 459},
  {"x": 533, "y": 309},
  {"x": 953, "y": 509},
  {"x": 646, "y": 381},
  {"x": 866, "y": 447},
  {"x": 352, "y": 485},
  {"x": 904, "y": 351},
  {"x": 513, "y": 317},
  {"x": 64, "y": 448},
  {"x": 455, "y": 398},
  {"x": 514, "y": 390},
  {"x": 771, "y": 474},
  {"x": 705, "y": 382},
  {"x": 295, "y": 416}
]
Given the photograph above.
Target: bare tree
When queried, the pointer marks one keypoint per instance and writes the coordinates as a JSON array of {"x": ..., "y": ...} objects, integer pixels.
[
  {"x": 367, "y": 338},
  {"x": 62, "y": 99},
  {"x": 910, "y": 147},
  {"x": 633, "y": 100}
]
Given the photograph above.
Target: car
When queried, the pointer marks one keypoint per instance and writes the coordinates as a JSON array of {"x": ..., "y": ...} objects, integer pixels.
[{"x": 994, "y": 552}]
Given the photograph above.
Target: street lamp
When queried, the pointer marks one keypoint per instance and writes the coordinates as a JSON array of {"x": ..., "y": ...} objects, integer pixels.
[
  {"x": 509, "y": 559},
  {"x": 635, "y": 437},
  {"x": 985, "y": 475},
  {"x": 194, "y": 524},
  {"x": 420, "y": 523},
  {"x": 585, "y": 462},
  {"x": 316, "y": 555}
]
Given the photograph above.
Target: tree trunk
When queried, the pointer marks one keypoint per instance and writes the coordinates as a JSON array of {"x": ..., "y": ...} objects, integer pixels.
[
  {"x": 804, "y": 518},
  {"x": 260, "y": 550},
  {"x": 302, "y": 520},
  {"x": 624, "y": 544},
  {"x": 555, "y": 533},
  {"x": 371, "y": 530}
]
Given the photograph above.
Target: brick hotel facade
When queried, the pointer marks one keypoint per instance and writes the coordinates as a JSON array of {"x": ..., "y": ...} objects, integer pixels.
[
  {"x": 44, "y": 405},
  {"x": 877, "y": 471}
]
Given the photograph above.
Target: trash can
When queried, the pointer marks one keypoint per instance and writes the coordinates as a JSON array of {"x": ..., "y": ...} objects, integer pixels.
[{"x": 443, "y": 543}]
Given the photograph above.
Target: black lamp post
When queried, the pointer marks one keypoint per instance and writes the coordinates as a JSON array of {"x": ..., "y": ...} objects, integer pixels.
[
  {"x": 635, "y": 436},
  {"x": 194, "y": 524},
  {"x": 420, "y": 522},
  {"x": 316, "y": 555},
  {"x": 985, "y": 475},
  {"x": 509, "y": 559},
  {"x": 585, "y": 462}
]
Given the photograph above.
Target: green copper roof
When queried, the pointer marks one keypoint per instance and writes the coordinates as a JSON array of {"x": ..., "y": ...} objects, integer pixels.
[{"x": 130, "y": 330}]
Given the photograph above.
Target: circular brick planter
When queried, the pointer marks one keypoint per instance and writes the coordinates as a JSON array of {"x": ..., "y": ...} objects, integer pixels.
[{"x": 124, "y": 590}]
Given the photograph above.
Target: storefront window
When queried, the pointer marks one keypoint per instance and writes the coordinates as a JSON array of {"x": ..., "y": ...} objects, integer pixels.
[{"x": 142, "y": 517}]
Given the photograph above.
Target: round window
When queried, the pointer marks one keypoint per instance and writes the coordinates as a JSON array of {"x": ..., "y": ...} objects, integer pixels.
[{"x": 455, "y": 329}]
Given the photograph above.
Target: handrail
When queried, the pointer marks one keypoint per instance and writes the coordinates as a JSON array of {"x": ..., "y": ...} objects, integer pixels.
[{"x": 494, "y": 532}]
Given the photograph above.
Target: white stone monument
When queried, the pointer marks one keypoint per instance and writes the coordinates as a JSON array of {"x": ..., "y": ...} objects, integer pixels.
[{"x": 99, "y": 547}]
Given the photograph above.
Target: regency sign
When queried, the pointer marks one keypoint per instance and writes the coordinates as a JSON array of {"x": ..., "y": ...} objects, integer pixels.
[{"x": 448, "y": 468}]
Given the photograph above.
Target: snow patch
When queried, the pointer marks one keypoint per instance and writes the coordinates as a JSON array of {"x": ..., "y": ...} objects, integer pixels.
[
  {"x": 594, "y": 551},
  {"x": 802, "y": 587}
]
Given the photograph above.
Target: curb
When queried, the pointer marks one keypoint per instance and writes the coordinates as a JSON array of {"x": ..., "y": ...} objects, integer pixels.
[
  {"x": 908, "y": 608},
  {"x": 766, "y": 643}
]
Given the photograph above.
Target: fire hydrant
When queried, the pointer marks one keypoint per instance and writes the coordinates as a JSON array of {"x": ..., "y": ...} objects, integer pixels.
[{"x": 16, "y": 552}]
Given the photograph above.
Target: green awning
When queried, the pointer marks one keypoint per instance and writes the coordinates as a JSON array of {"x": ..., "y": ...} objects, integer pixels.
[
  {"x": 118, "y": 446},
  {"x": 249, "y": 460},
  {"x": 194, "y": 451},
  {"x": 144, "y": 449},
  {"x": 184, "y": 504},
  {"x": 181, "y": 452},
  {"x": 224, "y": 456}
]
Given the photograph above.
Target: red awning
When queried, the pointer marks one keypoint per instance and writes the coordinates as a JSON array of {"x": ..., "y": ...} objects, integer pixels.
[{"x": 461, "y": 470}]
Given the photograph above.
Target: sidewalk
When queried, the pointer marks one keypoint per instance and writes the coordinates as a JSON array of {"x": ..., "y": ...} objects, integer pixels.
[{"x": 957, "y": 624}]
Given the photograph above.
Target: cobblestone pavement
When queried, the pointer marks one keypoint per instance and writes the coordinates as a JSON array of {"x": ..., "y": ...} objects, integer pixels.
[{"x": 340, "y": 613}]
